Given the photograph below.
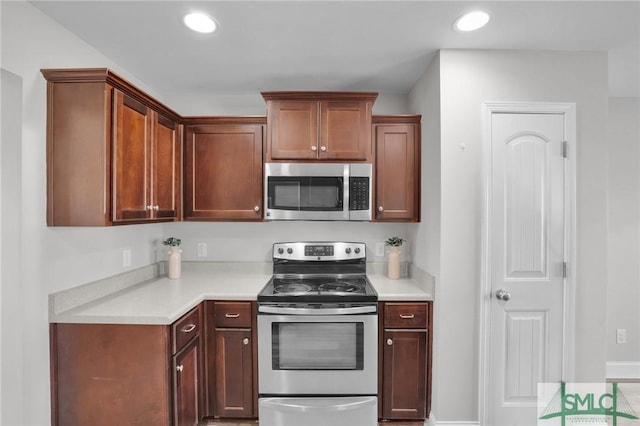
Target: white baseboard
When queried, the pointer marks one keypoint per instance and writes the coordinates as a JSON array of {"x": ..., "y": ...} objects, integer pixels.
[
  {"x": 431, "y": 421},
  {"x": 623, "y": 370}
]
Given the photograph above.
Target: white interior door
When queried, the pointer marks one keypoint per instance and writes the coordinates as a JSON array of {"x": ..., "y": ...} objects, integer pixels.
[{"x": 526, "y": 245}]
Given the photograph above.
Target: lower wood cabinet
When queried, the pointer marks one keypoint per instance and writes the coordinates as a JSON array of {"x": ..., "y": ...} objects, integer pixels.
[
  {"x": 231, "y": 359},
  {"x": 405, "y": 360},
  {"x": 124, "y": 374}
]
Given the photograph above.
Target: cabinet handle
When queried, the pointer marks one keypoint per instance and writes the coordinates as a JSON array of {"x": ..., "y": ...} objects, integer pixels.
[
  {"x": 231, "y": 315},
  {"x": 389, "y": 342},
  {"x": 410, "y": 316},
  {"x": 380, "y": 209},
  {"x": 188, "y": 328},
  {"x": 323, "y": 148},
  {"x": 256, "y": 209},
  {"x": 245, "y": 341},
  {"x": 149, "y": 207},
  {"x": 156, "y": 207},
  {"x": 314, "y": 148},
  {"x": 179, "y": 368}
]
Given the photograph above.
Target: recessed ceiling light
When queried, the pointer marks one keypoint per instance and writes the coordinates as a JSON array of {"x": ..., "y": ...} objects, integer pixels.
[
  {"x": 472, "y": 21},
  {"x": 200, "y": 22}
]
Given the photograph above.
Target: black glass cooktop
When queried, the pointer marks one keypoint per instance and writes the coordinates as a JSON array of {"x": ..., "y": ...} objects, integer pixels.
[{"x": 307, "y": 289}]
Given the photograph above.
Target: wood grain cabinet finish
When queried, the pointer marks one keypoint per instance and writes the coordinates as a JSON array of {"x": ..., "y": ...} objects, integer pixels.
[
  {"x": 312, "y": 126},
  {"x": 231, "y": 359},
  {"x": 397, "y": 168},
  {"x": 113, "y": 152},
  {"x": 223, "y": 169},
  {"x": 123, "y": 374},
  {"x": 405, "y": 360}
]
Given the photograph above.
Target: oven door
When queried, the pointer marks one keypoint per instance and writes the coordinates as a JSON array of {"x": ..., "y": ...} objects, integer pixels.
[{"x": 318, "y": 354}]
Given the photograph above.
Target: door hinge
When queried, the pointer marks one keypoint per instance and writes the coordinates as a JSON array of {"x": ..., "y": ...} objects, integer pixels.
[
  {"x": 564, "y": 269},
  {"x": 565, "y": 149}
]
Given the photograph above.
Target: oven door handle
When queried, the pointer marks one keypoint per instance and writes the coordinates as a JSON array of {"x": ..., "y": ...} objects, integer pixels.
[{"x": 318, "y": 311}]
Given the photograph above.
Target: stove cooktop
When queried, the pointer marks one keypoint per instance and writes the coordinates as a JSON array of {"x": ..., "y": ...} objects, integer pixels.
[{"x": 308, "y": 289}]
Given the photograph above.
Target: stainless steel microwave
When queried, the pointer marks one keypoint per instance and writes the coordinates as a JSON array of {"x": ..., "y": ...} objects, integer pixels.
[{"x": 317, "y": 191}]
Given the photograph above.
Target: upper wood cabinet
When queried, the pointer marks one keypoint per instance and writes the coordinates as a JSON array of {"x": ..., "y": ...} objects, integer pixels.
[
  {"x": 223, "y": 168},
  {"x": 113, "y": 152},
  {"x": 397, "y": 168},
  {"x": 312, "y": 126}
]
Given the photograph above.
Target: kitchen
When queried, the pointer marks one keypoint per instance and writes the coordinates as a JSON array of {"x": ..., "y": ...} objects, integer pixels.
[{"x": 62, "y": 258}]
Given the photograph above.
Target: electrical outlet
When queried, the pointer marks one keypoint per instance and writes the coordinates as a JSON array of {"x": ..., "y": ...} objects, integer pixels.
[
  {"x": 379, "y": 249},
  {"x": 621, "y": 335},
  {"x": 126, "y": 258},
  {"x": 202, "y": 249}
]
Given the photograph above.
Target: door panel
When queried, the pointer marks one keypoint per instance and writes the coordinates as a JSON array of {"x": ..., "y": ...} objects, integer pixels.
[{"x": 527, "y": 255}]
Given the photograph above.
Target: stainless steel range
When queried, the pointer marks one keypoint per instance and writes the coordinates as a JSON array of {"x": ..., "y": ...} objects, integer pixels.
[{"x": 317, "y": 337}]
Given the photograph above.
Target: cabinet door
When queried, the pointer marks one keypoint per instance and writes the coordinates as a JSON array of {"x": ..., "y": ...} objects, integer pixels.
[
  {"x": 223, "y": 172},
  {"x": 345, "y": 131},
  {"x": 404, "y": 389},
  {"x": 293, "y": 130},
  {"x": 234, "y": 373},
  {"x": 186, "y": 394},
  {"x": 397, "y": 176},
  {"x": 131, "y": 149},
  {"x": 166, "y": 168}
]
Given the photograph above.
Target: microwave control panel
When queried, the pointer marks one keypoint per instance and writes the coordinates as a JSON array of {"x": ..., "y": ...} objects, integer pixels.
[{"x": 358, "y": 193}]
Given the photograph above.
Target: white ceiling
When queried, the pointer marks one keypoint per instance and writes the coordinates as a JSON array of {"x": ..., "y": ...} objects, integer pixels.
[{"x": 379, "y": 46}]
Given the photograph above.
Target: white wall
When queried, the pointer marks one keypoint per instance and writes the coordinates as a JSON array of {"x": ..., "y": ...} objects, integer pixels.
[
  {"x": 57, "y": 258},
  {"x": 467, "y": 79},
  {"x": 623, "y": 266}
]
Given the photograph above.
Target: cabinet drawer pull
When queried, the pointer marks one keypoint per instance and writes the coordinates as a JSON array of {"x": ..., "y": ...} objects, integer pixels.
[
  {"x": 389, "y": 342},
  {"x": 179, "y": 368},
  {"x": 231, "y": 315},
  {"x": 410, "y": 316},
  {"x": 188, "y": 328},
  {"x": 245, "y": 341},
  {"x": 256, "y": 209},
  {"x": 380, "y": 208}
]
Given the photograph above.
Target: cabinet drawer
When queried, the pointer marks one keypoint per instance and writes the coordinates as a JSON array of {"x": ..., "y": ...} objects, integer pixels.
[
  {"x": 233, "y": 314},
  {"x": 185, "y": 329},
  {"x": 405, "y": 315}
]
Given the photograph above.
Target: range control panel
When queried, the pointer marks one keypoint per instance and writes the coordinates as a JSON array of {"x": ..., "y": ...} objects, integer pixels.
[{"x": 319, "y": 251}]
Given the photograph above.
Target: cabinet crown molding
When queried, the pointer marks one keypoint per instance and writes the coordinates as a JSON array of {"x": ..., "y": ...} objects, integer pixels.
[
  {"x": 105, "y": 75},
  {"x": 320, "y": 96}
]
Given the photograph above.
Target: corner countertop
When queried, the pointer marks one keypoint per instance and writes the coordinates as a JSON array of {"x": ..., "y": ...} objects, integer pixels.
[{"x": 161, "y": 301}]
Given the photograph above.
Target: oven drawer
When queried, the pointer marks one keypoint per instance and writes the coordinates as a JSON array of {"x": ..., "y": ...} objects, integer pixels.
[
  {"x": 233, "y": 314},
  {"x": 405, "y": 315},
  {"x": 185, "y": 329},
  {"x": 319, "y": 411}
]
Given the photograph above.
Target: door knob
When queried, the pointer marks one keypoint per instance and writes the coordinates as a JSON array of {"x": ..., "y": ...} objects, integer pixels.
[{"x": 503, "y": 295}]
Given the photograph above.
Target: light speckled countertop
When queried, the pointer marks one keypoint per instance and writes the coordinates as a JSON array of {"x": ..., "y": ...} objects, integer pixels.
[{"x": 159, "y": 300}]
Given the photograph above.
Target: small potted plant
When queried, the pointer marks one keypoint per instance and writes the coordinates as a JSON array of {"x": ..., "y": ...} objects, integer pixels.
[
  {"x": 174, "y": 257},
  {"x": 393, "y": 267}
]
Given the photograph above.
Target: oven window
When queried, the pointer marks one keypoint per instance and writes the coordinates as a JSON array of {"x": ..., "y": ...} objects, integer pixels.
[
  {"x": 317, "y": 346},
  {"x": 305, "y": 193}
]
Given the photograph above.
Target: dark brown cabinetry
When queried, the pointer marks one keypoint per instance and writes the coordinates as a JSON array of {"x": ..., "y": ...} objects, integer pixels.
[
  {"x": 405, "y": 359},
  {"x": 319, "y": 126},
  {"x": 397, "y": 168},
  {"x": 231, "y": 359},
  {"x": 107, "y": 374},
  {"x": 113, "y": 152},
  {"x": 223, "y": 169},
  {"x": 188, "y": 389}
]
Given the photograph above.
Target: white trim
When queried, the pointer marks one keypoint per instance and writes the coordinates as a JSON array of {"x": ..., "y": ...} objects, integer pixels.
[
  {"x": 623, "y": 370},
  {"x": 432, "y": 421},
  {"x": 568, "y": 355}
]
